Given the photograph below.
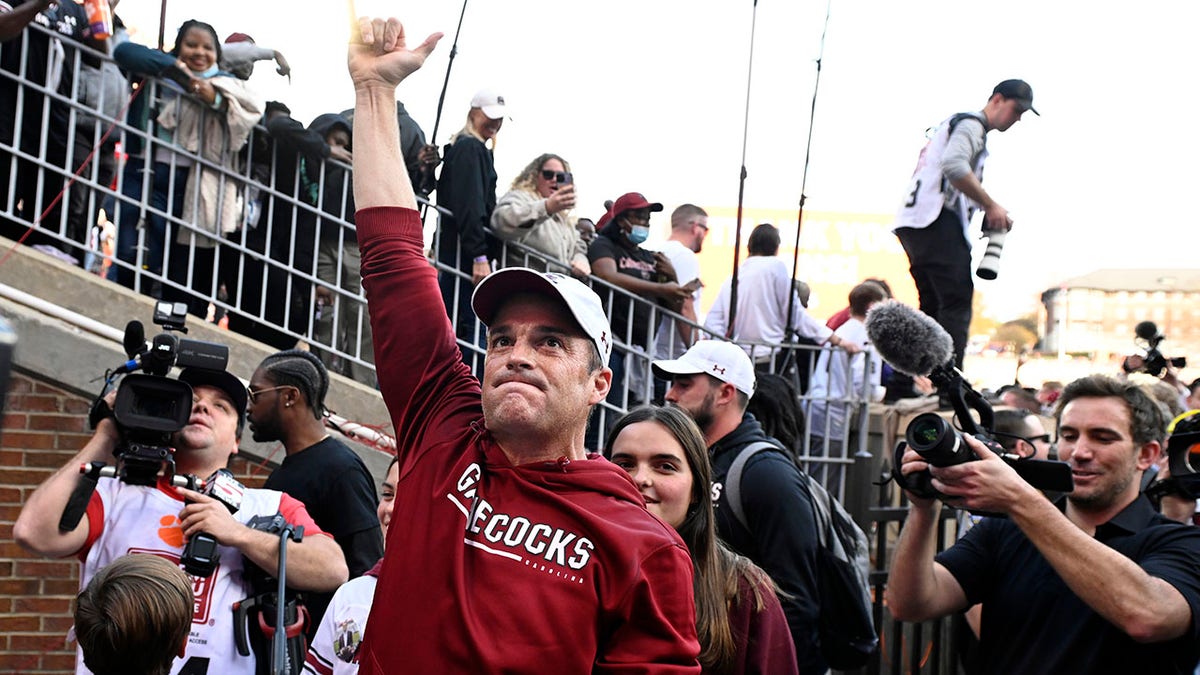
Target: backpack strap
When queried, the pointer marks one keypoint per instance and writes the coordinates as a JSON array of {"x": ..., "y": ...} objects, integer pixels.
[{"x": 733, "y": 480}]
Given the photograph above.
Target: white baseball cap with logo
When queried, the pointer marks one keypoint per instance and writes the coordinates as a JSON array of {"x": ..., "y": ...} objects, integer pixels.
[
  {"x": 583, "y": 303},
  {"x": 723, "y": 360},
  {"x": 491, "y": 103}
]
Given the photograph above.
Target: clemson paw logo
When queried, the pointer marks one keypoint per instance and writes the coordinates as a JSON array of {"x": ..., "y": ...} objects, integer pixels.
[{"x": 171, "y": 531}]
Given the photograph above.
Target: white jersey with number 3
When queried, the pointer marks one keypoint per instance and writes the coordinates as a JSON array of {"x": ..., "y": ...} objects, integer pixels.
[{"x": 930, "y": 191}]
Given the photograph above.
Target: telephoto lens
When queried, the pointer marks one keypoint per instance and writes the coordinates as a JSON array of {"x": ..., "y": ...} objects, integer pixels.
[
  {"x": 989, "y": 266},
  {"x": 936, "y": 441}
]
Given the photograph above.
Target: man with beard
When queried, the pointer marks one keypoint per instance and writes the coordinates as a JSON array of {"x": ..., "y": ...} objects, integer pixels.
[
  {"x": 713, "y": 381},
  {"x": 287, "y": 404},
  {"x": 1098, "y": 582}
]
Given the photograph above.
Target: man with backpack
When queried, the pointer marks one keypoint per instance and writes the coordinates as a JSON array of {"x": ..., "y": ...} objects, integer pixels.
[{"x": 713, "y": 381}]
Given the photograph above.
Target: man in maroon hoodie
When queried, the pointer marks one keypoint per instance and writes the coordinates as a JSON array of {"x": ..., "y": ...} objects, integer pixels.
[{"x": 513, "y": 550}]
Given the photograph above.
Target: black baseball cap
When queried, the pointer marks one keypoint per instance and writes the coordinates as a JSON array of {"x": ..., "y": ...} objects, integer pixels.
[{"x": 1020, "y": 90}]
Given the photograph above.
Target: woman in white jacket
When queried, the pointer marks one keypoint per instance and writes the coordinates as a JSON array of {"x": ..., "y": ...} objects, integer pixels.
[
  {"x": 197, "y": 159},
  {"x": 536, "y": 213}
]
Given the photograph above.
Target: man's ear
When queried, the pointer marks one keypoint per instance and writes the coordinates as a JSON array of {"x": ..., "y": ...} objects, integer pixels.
[
  {"x": 1148, "y": 454},
  {"x": 727, "y": 394},
  {"x": 601, "y": 383}
]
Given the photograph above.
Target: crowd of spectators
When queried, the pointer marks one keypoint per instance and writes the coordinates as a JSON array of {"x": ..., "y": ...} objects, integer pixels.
[{"x": 754, "y": 597}]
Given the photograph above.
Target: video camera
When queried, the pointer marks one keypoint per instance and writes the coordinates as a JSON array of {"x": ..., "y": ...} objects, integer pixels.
[
  {"x": 1183, "y": 453},
  {"x": 149, "y": 409},
  {"x": 1153, "y": 363},
  {"x": 940, "y": 444}
]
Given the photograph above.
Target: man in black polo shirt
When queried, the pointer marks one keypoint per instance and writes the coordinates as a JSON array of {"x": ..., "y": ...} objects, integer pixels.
[
  {"x": 1099, "y": 582},
  {"x": 287, "y": 404}
]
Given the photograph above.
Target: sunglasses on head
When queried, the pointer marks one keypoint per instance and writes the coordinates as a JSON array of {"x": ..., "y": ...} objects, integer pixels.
[{"x": 556, "y": 176}]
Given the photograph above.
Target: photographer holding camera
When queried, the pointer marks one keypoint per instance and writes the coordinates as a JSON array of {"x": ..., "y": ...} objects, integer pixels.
[
  {"x": 1096, "y": 583},
  {"x": 126, "y": 518}
]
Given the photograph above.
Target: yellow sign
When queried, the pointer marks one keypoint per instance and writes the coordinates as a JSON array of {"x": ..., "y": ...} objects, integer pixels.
[{"x": 837, "y": 252}]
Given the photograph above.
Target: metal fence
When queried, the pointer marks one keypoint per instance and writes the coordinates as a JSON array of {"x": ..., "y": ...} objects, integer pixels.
[{"x": 287, "y": 272}]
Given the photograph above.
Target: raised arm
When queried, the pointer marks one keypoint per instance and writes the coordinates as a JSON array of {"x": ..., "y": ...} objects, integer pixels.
[{"x": 379, "y": 60}]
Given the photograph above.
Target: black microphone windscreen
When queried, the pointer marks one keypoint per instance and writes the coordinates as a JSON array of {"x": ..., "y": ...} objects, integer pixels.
[
  {"x": 909, "y": 340},
  {"x": 135, "y": 338},
  {"x": 1146, "y": 330}
]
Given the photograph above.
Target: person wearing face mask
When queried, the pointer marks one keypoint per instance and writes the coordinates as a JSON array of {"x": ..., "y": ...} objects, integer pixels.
[
  {"x": 617, "y": 258},
  {"x": 536, "y": 213}
]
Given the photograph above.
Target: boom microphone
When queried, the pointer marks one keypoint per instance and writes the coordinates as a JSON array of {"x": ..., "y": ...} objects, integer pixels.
[
  {"x": 909, "y": 340},
  {"x": 1146, "y": 330},
  {"x": 135, "y": 339}
]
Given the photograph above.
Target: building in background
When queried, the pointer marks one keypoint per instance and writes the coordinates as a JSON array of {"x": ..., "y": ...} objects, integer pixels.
[{"x": 1097, "y": 313}]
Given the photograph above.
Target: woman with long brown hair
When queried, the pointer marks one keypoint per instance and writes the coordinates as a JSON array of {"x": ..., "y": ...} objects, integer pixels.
[{"x": 740, "y": 623}]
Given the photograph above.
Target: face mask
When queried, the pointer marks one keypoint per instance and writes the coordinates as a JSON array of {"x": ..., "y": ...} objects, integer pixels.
[{"x": 639, "y": 234}]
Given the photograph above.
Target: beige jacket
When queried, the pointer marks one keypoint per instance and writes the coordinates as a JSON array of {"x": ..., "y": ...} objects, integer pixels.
[{"x": 213, "y": 199}]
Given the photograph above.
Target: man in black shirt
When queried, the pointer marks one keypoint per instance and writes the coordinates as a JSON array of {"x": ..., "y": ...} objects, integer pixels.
[
  {"x": 1097, "y": 583},
  {"x": 287, "y": 402}
]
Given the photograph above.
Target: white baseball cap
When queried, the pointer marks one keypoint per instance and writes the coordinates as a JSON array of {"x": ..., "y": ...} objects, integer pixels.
[
  {"x": 583, "y": 303},
  {"x": 491, "y": 103},
  {"x": 723, "y": 360}
]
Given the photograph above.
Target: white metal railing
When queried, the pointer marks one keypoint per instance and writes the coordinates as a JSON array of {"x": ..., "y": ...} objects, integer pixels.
[{"x": 273, "y": 276}]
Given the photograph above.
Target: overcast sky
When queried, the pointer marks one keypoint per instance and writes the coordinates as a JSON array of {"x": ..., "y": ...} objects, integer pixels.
[{"x": 650, "y": 95}]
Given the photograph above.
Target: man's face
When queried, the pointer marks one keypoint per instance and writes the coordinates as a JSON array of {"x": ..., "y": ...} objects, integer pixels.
[
  {"x": 263, "y": 411},
  {"x": 1009, "y": 113},
  {"x": 1095, "y": 438},
  {"x": 1036, "y": 435},
  {"x": 536, "y": 376},
  {"x": 587, "y": 229},
  {"x": 696, "y": 395},
  {"x": 699, "y": 232},
  {"x": 211, "y": 431}
]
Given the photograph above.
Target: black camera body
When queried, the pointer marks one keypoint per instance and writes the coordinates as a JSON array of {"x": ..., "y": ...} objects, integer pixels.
[
  {"x": 149, "y": 409},
  {"x": 937, "y": 442}
]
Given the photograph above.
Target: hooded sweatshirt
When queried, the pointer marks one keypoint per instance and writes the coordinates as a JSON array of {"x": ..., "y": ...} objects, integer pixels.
[
  {"x": 782, "y": 537},
  {"x": 494, "y": 567}
]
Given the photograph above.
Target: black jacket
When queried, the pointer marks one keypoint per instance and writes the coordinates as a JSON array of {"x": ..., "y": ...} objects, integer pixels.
[{"x": 782, "y": 538}]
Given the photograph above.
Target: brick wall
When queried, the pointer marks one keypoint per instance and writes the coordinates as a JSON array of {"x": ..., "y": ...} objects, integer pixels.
[{"x": 43, "y": 427}]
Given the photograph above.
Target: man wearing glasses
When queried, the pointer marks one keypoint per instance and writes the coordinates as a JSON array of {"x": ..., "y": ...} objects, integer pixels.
[
  {"x": 1021, "y": 432},
  {"x": 689, "y": 227},
  {"x": 287, "y": 404}
]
